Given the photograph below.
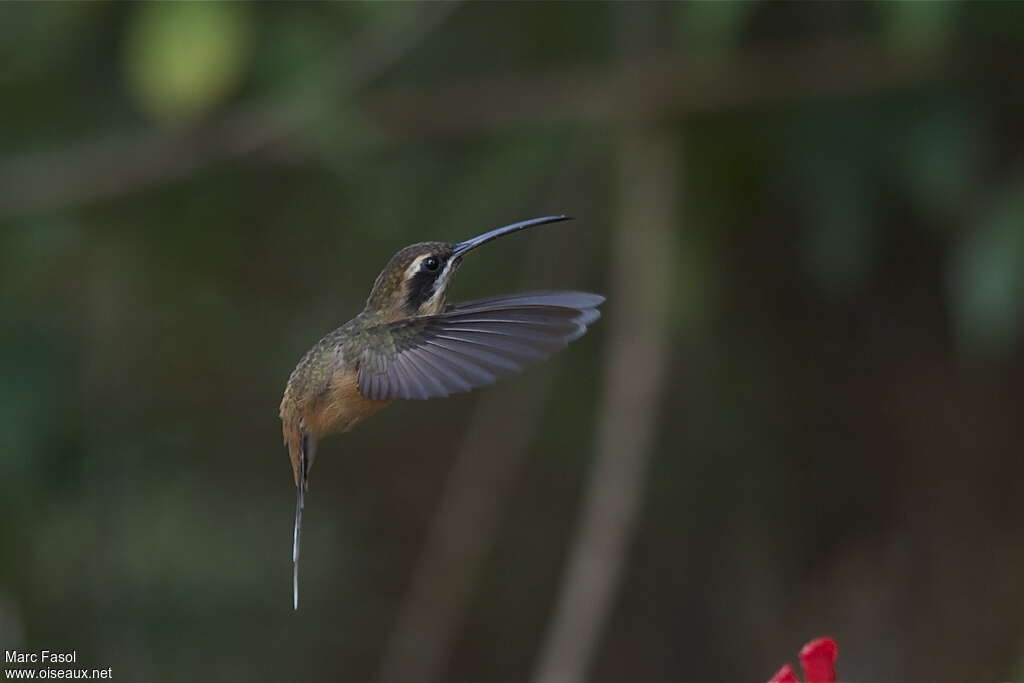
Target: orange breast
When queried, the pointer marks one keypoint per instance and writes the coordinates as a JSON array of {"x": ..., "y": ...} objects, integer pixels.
[{"x": 340, "y": 408}]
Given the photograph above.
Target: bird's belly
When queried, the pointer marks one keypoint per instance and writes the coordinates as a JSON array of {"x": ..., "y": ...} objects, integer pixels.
[{"x": 341, "y": 407}]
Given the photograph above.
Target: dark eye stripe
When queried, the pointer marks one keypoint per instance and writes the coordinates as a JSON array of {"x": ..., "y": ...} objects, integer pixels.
[{"x": 420, "y": 286}]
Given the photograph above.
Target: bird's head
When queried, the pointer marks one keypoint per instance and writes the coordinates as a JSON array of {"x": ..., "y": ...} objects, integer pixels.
[{"x": 416, "y": 279}]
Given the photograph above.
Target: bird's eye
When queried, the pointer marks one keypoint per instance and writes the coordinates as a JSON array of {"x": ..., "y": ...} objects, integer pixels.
[{"x": 431, "y": 263}]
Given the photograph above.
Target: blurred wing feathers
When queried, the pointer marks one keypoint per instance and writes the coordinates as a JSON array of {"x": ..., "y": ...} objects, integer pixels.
[{"x": 474, "y": 343}]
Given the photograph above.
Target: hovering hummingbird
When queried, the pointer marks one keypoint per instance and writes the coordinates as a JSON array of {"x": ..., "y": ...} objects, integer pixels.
[{"x": 408, "y": 343}]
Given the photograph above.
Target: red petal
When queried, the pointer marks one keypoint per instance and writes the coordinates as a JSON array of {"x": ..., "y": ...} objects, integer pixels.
[
  {"x": 818, "y": 658},
  {"x": 784, "y": 675}
]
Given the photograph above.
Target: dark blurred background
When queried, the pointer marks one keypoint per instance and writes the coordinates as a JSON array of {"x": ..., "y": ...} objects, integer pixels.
[{"x": 799, "y": 416}]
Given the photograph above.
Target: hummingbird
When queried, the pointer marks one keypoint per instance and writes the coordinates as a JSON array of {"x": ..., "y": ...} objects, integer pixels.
[{"x": 410, "y": 344}]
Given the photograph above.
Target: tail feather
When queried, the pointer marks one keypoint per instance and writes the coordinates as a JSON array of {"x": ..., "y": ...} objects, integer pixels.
[
  {"x": 307, "y": 453},
  {"x": 300, "y": 502},
  {"x": 292, "y": 431}
]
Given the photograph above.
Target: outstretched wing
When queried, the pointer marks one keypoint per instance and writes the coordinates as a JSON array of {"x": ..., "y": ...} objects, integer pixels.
[{"x": 474, "y": 343}]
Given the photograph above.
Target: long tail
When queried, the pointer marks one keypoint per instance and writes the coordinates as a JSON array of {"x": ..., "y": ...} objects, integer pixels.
[
  {"x": 306, "y": 455},
  {"x": 300, "y": 496}
]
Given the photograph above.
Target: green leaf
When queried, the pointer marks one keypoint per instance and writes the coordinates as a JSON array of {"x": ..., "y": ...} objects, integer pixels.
[
  {"x": 917, "y": 25},
  {"x": 184, "y": 58},
  {"x": 712, "y": 26},
  {"x": 940, "y": 156},
  {"x": 988, "y": 279}
]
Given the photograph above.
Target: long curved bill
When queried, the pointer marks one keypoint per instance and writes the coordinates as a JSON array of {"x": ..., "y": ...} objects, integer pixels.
[{"x": 472, "y": 243}]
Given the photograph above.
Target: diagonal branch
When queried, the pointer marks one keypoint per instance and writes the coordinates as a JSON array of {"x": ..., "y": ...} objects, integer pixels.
[
  {"x": 658, "y": 84},
  {"x": 119, "y": 165},
  {"x": 635, "y": 365},
  {"x": 465, "y": 527}
]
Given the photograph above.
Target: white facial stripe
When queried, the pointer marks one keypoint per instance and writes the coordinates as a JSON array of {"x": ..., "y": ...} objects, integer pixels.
[
  {"x": 414, "y": 267},
  {"x": 441, "y": 283}
]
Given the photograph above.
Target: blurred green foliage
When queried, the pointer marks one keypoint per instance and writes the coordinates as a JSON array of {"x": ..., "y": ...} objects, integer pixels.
[
  {"x": 839, "y": 448},
  {"x": 988, "y": 277},
  {"x": 183, "y": 59}
]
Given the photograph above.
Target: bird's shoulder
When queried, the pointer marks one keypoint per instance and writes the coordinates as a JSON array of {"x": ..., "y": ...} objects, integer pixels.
[{"x": 345, "y": 347}]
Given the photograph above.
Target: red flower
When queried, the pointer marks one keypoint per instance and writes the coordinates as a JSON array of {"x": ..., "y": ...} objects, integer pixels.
[{"x": 818, "y": 658}]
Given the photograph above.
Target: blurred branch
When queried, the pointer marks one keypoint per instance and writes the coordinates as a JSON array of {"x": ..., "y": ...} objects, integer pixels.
[
  {"x": 642, "y": 276},
  {"x": 655, "y": 84},
  {"x": 461, "y": 534},
  {"x": 122, "y": 164},
  {"x": 465, "y": 526}
]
